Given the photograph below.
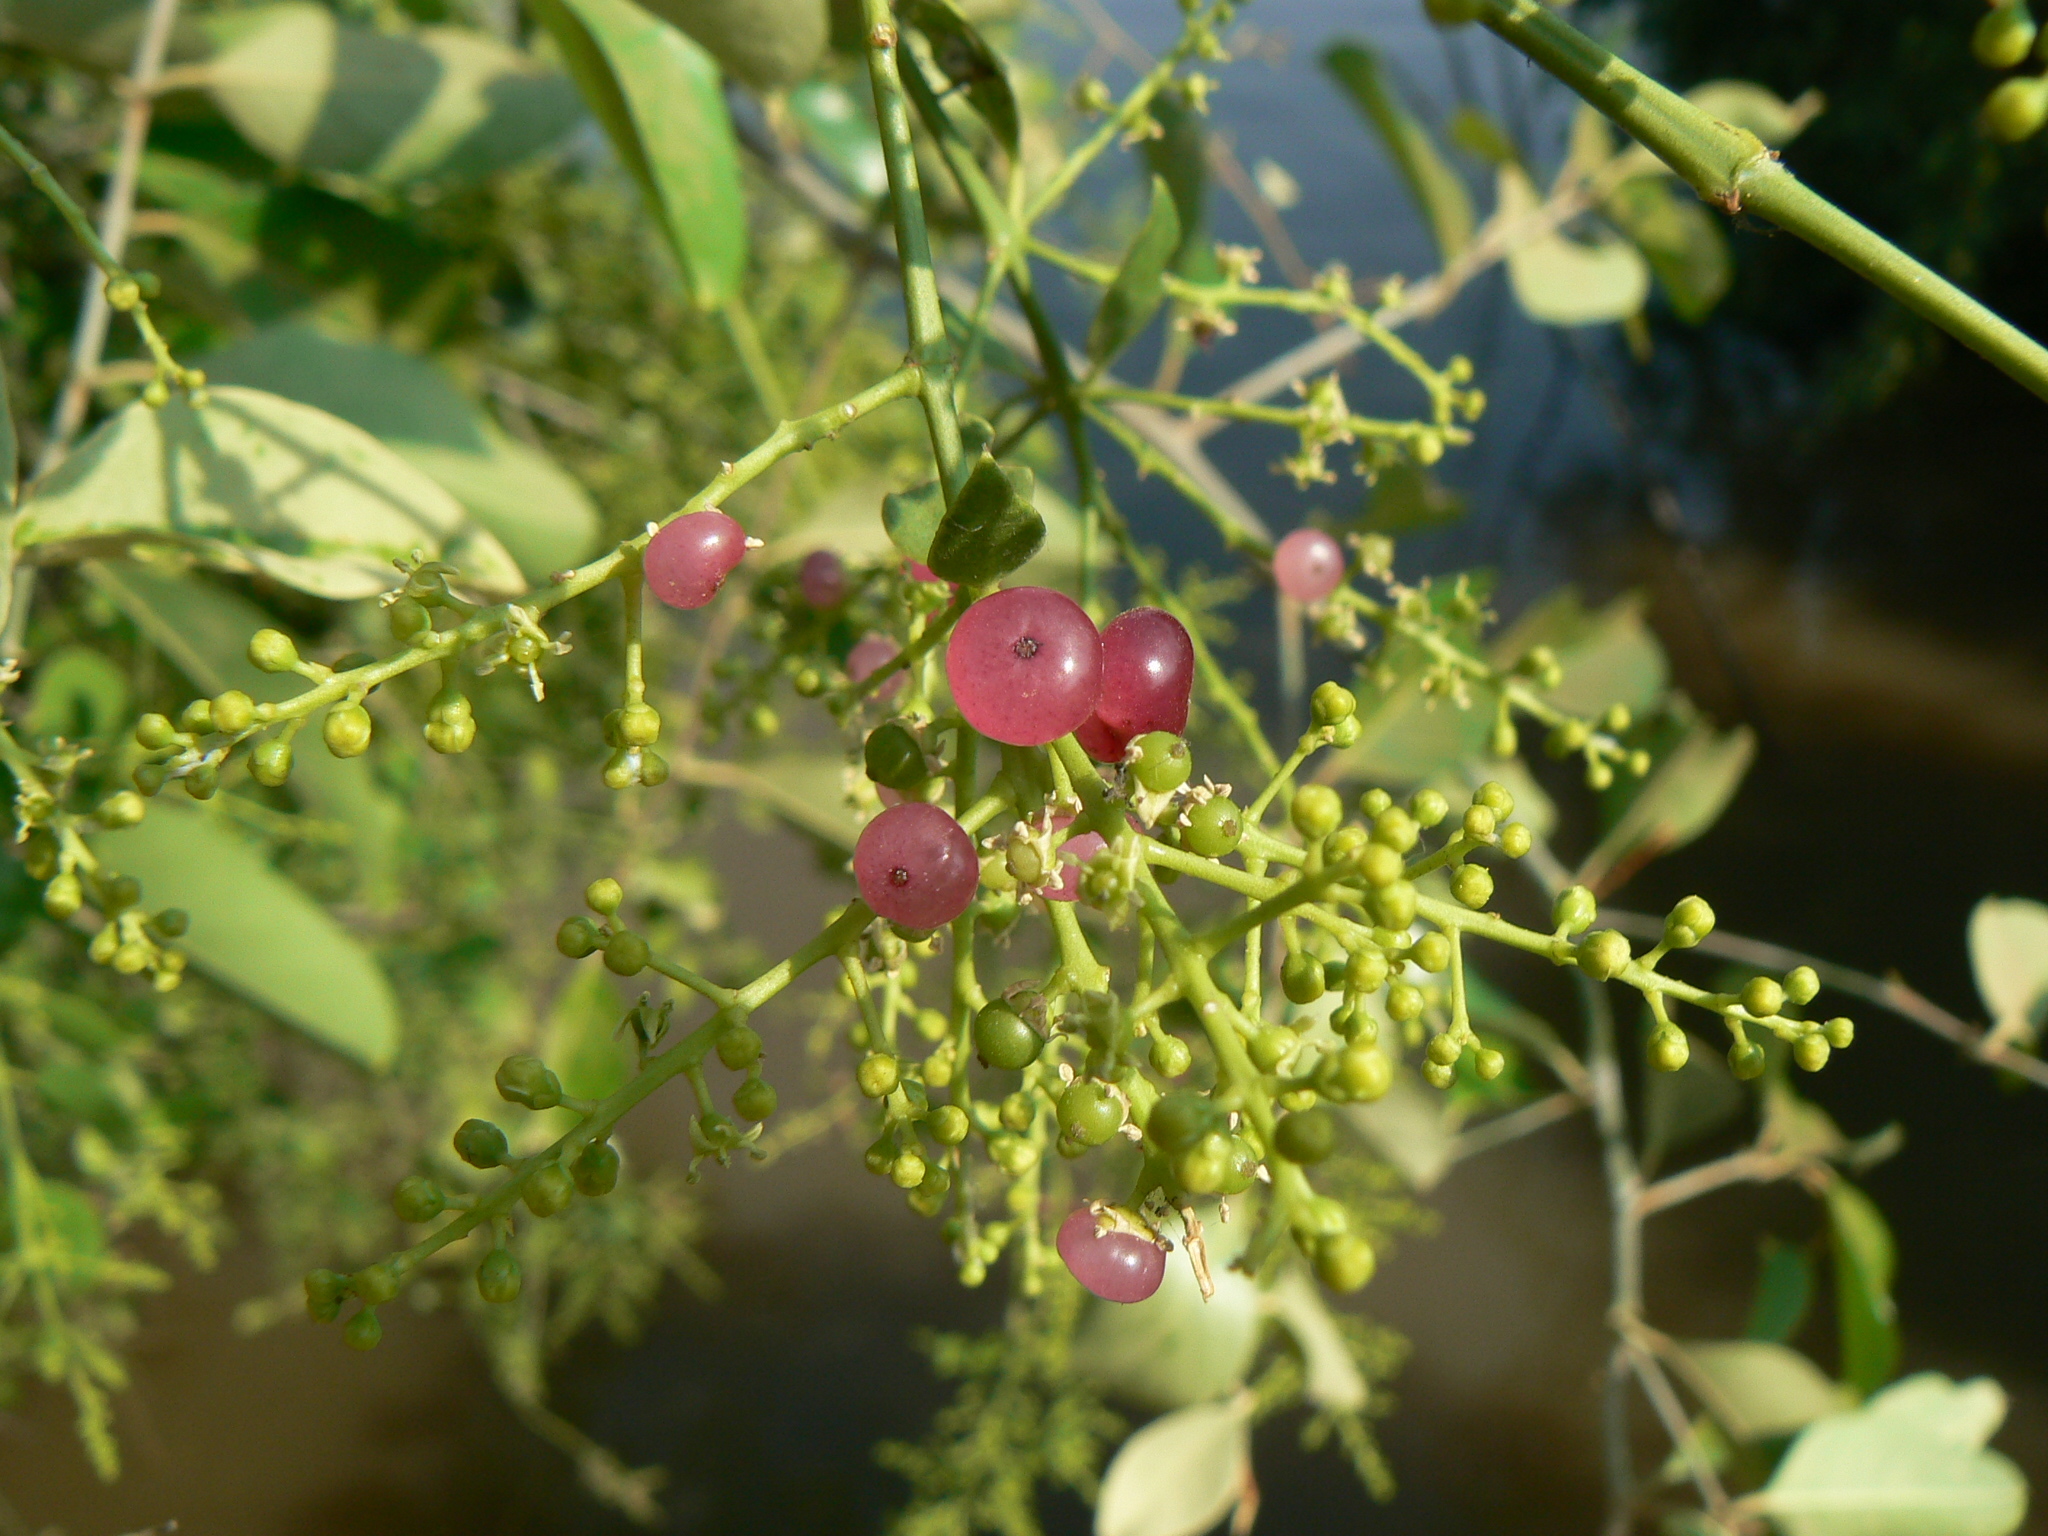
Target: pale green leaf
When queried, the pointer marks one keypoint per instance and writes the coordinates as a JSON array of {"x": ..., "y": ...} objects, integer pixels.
[
  {"x": 1179, "y": 1475},
  {"x": 1911, "y": 1462},
  {"x": 2009, "y": 955},
  {"x": 1797, "y": 1127},
  {"x": 1174, "y": 1348},
  {"x": 1685, "y": 794},
  {"x": 1561, "y": 281},
  {"x": 1609, "y": 655},
  {"x": 1473, "y": 131},
  {"x": 78, "y": 694},
  {"x": 257, "y": 933},
  {"x": 99, "y": 34},
  {"x": 839, "y": 128},
  {"x": 1760, "y": 110},
  {"x": 252, "y": 482},
  {"x": 657, "y": 95},
  {"x": 1865, "y": 1258},
  {"x": 1686, "y": 249},
  {"x": 1435, "y": 186},
  {"x": 1333, "y": 1379},
  {"x": 1140, "y": 284},
  {"x": 1758, "y": 1391}
]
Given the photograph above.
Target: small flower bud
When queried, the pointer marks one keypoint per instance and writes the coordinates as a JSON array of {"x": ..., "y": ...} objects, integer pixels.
[
  {"x": 527, "y": 1080},
  {"x": 418, "y": 1200},
  {"x": 347, "y": 730},
  {"x": 271, "y": 650},
  {"x": 1317, "y": 811},
  {"x": 596, "y": 1169},
  {"x": 603, "y": 896},
  {"x": 1332, "y": 702},
  {"x": 549, "y": 1190},
  {"x": 1574, "y": 910},
  {"x": 1428, "y": 807},
  {"x": 626, "y": 954},
  {"x": 271, "y": 762},
  {"x": 122, "y": 809},
  {"x": 1763, "y": 998},
  {"x": 233, "y": 712},
  {"x": 1802, "y": 985},
  {"x": 498, "y": 1278},
  {"x": 878, "y": 1075},
  {"x": 481, "y": 1144},
  {"x": 1604, "y": 955}
]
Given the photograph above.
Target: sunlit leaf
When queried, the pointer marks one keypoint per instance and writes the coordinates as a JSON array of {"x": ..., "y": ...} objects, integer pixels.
[
  {"x": 1910, "y": 1462},
  {"x": 1134, "y": 297},
  {"x": 1798, "y": 1127},
  {"x": 657, "y": 95},
  {"x": 1174, "y": 1348},
  {"x": 1762, "y": 111},
  {"x": 1180, "y": 1474},
  {"x": 1758, "y": 1391},
  {"x": 991, "y": 529},
  {"x": 2009, "y": 955},
  {"x": 1685, "y": 794},
  {"x": 255, "y": 483},
  {"x": 1608, "y": 654},
  {"x": 1864, "y": 1260},
  {"x": 1435, "y": 186},
  {"x": 218, "y": 218},
  {"x": 1561, "y": 281},
  {"x": 1473, "y": 131},
  {"x": 968, "y": 63},
  {"x": 1179, "y": 157},
  {"x": 258, "y": 934}
]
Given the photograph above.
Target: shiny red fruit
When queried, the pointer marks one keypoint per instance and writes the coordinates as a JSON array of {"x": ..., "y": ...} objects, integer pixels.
[
  {"x": 688, "y": 560},
  {"x": 1115, "y": 1265},
  {"x": 1148, "y": 675},
  {"x": 1025, "y": 666},
  {"x": 916, "y": 866}
]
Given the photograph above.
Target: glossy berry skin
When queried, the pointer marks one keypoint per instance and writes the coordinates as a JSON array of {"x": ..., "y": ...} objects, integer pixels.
[
  {"x": 1025, "y": 666},
  {"x": 1148, "y": 674},
  {"x": 916, "y": 866},
  {"x": 1308, "y": 565},
  {"x": 868, "y": 653},
  {"x": 822, "y": 579},
  {"x": 688, "y": 560},
  {"x": 1117, "y": 1266}
]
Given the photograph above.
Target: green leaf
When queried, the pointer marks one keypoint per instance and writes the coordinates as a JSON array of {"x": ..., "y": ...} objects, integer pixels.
[
  {"x": 1864, "y": 1261},
  {"x": 1686, "y": 249},
  {"x": 767, "y": 45},
  {"x": 1763, "y": 112},
  {"x": 1406, "y": 498},
  {"x": 2009, "y": 956},
  {"x": 1435, "y": 186},
  {"x": 1758, "y": 1391},
  {"x": 912, "y": 518},
  {"x": 968, "y": 62},
  {"x": 991, "y": 529},
  {"x": 657, "y": 95},
  {"x": 1684, "y": 795},
  {"x": 1608, "y": 654},
  {"x": 392, "y": 108},
  {"x": 217, "y": 217},
  {"x": 1180, "y": 156},
  {"x": 10, "y": 450},
  {"x": 582, "y": 1040},
  {"x": 1180, "y": 1474},
  {"x": 1333, "y": 1379},
  {"x": 1476, "y": 132},
  {"x": 77, "y": 694},
  {"x": 542, "y": 517},
  {"x": 1784, "y": 1292},
  {"x": 255, "y": 483},
  {"x": 1681, "y": 1107},
  {"x": 1174, "y": 1348},
  {"x": 1910, "y": 1462},
  {"x": 99, "y": 34},
  {"x": 258, "y": 934},
  {"x": 1134, "y": 297},
  {"x": 1559, "y": 281}
]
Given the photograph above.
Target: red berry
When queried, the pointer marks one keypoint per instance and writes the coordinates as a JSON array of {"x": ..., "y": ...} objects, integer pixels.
[
  {"x": 916, "y": 866},
  {"x": 688, "y": 560},
  {"x": 1115, "y": 1265},
  {"x": 868, "y": 653},
  {"x": 1075, "y": 853},
  {"x": 1148, "y": 673},
  {"x": 1025, "y": 666},
  {"x": 919, "y": 571},
  {"x": 822, "y": 579},
  {"x": 1309, "y": 565}
]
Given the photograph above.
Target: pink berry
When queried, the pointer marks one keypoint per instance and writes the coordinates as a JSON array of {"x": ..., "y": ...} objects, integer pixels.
[
  {"x": 688, "y": 560},
  {"x": 1025, "y": 666},
  {"x": 1148, "y": 673},
  {"x": 1074, "y": 854},
  {"x": 868, "y": 653},
  {"x": 822, "y": 579},
  {"x": 1115, "y": 1265},
  {"x": 916, "y": 866},
  {"x": 919, "y": 571},
  {"x": 1309, "y": 565}
]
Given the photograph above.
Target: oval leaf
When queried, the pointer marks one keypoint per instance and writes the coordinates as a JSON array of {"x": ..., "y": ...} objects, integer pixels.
[
  {"x": 1758, "y": 1391},
  {"x": 1134, "y": 297},
  {"x": 1180, "y": 1474},
  {"x": 912, "y": 518},
  {"x": 1436, "y": 188},
  {"x": 1684, "y": 795},
  {"x": 1686, "y": 250},
  {"x": 657, "y": 95},
  {"x": 1566, "y": 282},
  {"x": 256, "y": 932},
  {"x": 766, "y": 45},
  {"x": 2009, "y": 954},
  {"x": 968, "y": 62},
  {"x": 1864, "y": 1260},
  {"x": 992, "y": 528},
  {"x": 1763, "y": 112}
]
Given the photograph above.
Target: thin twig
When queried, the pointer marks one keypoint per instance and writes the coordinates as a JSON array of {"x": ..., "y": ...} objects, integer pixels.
[
  {"x": 1517, "y": 1123},
  {"x": 1749, "y": 1166}
]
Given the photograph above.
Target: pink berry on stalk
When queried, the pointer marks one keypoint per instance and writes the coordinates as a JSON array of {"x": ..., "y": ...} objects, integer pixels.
[
  {"x": 916, "y": 866},
  {"x": 688, "y": 560},
  {"x": 1309, "y": 565},
  {"x": 822, "y": 579},
  {"x": 1148, "y": 672},
  {"x": 1025, "y": 666},
  {"x": 1115, "y": 1265},
  {"x": 869, "y": 653}
]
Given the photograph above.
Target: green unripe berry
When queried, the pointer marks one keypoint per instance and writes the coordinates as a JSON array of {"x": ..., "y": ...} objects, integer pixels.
[
  {"x": 1472, "y": 885},
  {"x": 754, "y": 1099},
  {"x": 154, "y": 732},
  {"x": 418, "y": 1200},
  {"x": 1495, "y": 797},
  {"x": 1688, "y": 923},
  {"x": 1373, "y": 802},
  {"x": 527, "y": 1080},
  {"x": 409, "y": 619},
  {"x": 271, "y": 650},
  {"x": 1344, "y": 1261},
  {"x": 270, "y": 762},
  {"x": 1170, "y": 1056},
  {"x": 907, "y": 1169},
  {"x": 363, "y": 1331},
  {"x": 1445, "y": 1049},
  {"x": 1271, "y": 1046},
  {"x": 1489, "y": 1064},
  {"x": 1395, "y": 828},
  {"x": 481, "y": 1144},
  {"x": 1366, "y": 971},
  {"x": 1404, "y": 1002},
  {"x": 1393, "y": 906},
  {"x": 1432, "y": 953},
  {"x": 878, "y": 1075},
  {"x": 63, "y": 896},
  {"x": 739, "y": 1047},
  {"x": 347, "y": 729},
  {"x": 1428, "y": 807},
  {"x": 949, "y": 1125},
  {"x": 1182, "y": 1118},
  {"x": 324, "y": 1292},
  {"x": 1089, "y": 1114},
  {"x": 1763, "y": 998},
  {"x": 1317, "y": 810},
  {"x": 549, "y": 1189},
  {"x": 375, "y": 1285},
  {"x": 893, "y": 758},
  {"x": 2017, "y": 108},
  {"x": 124, "y": 808},
  {"x": 1364, "y": 1073},
  {"x": 1301, "y": 978},
  {"x": 1203, "y": 1168},
  {"x": 1746, "y": 1060},
  {"x": 1003, "y": 1040},
  {"x": 203, "y": 782},
  {"x": 1332, "y": 702},
  {"x": 595, "y": 1169},
  {"x": 1308, "y": 1136},
  {"x": 1479, "y": 822},
  {"x": 1811, "y": 1051},
  {"x": 523, "y": 649},
  {"x": 1603, "y": 955},
  {"x": 626, "y": 954},
  {"x": 233, "y": 712},
  {"x": 1214, "y": 829},
  {"x": 1160, "y": 761},
  {"x": 639, "y": 725},
  {"x": 603, "y": 896},
  {"x": 1516, "y": 840},
  {"x": 196, "y": 718},
  {"x": 1841, "y": 1033},
  {"x": 1574, "y": 910},
  {"x": 1379, "y": 865},
  {"x": 577, "y": 937},
  {"x": 2003, "y": 36},
  {"x": 1669, "y": 1049},
  {"x": 1802, "y": 985},
  {"x": 498, "y": 1278}
]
